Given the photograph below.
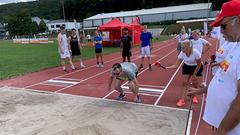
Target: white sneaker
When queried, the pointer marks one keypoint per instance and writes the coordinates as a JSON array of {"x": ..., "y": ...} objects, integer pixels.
[
  {"x": 97, "y": 65},
  {"x": 101, "y": 65},
  {"x": 82, "y": 66}
]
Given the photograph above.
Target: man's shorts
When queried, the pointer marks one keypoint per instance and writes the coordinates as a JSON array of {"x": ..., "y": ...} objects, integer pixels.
[
  {"x": 126, "y": 53},
  {"x": 145, "y": 51},
  {"x": 98, "y": 50},
  {"x": 66, "y": 54}
]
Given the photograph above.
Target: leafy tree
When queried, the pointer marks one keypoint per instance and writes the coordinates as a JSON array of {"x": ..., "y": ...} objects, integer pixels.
[
  {"x": 19, "y": 23},
  {"x": 42, "y": 26},
  {"x": 34, "y": 28}
]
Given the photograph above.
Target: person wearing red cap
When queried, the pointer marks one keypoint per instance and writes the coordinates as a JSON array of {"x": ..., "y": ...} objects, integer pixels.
[{"x": 223, "y": 99}]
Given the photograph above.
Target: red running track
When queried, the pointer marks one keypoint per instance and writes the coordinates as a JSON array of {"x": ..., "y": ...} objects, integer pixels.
[{"x": 157, "y": 87}]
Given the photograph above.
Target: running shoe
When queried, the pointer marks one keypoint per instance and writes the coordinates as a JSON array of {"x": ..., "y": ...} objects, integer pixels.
[
  {"x": 120, "y": 97},
  {"x": 180, "y": 103},
  {"x": 138, "y": 100},
  {"x": 194, "y": 99}
]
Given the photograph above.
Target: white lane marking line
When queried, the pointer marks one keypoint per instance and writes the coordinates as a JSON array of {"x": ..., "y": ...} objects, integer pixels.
[
  {"x": 61, "y": 82},
  {"x": 70, "y": 79},
  {"x": 202, "y": 103},
  {"x": 153, "y": 86},
  {"x": 145, "y": 89},
  {"x": 145, "y": 94},
  {"x": 83, "y": 80},
  {"x": 49, "y": 84},
  {"x": 105, "y": 72},
  {"x": 146, "y": 68},
  {"x": 189, "y": 123},
  {"x": 162, "y": 47},
  {"x": 109, "y": 94},
  {"x": 170, "y": 81}
]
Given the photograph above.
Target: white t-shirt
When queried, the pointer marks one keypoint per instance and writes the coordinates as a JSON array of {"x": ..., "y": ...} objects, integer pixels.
[
  {"x": 222, "y": 90},
  {"x": 181, "y": 37},
  {"x": 191, "y": 60},
  {"x": 64, "y": 43},
  {"x": 221, "y": 54},
  {"x": 199, "y": 44}
]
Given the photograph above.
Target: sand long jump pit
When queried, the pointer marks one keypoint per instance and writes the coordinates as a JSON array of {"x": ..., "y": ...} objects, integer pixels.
[{"x": 25, "y": 112}]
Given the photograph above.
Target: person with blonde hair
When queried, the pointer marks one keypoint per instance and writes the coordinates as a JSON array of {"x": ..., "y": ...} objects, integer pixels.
[
  {"x": 192, "y": 68},
  {"x": 199, "y": 43},
  {"x": 181, "y": 37}
]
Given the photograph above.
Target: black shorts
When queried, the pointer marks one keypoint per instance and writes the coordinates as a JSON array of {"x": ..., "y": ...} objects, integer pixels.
[
  {"x": 189, "y": 70},
  {"x": 98, "y": 50},
  {"x": 126, "y": 53}
]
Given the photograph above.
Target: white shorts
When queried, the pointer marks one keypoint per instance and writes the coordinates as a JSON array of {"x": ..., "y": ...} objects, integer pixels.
[
  {"x": 66, "y": 54},
  {"x": 145, "y": 51}
]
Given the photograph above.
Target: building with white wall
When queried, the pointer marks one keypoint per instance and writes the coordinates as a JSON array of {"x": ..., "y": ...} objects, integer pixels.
[
  {"x": 54, "y": 25},
  {"x": 201, "y": 10}
]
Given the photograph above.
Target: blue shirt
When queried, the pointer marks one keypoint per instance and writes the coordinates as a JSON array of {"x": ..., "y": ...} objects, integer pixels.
[
  {"x": 145, "y": 38},
  {"x": 97, "y": 45}
]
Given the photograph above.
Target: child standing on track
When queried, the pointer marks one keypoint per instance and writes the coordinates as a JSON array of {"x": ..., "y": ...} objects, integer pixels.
[
  {"x": 98, "y": 48},
  {"x": 146, "y": 47},
  {"x": 126, "y": 45}
]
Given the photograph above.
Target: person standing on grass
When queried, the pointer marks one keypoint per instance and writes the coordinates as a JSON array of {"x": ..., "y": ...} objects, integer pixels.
[
  {"x": 98, "y": 48},
  {"x": 126, "y": 45},
  {"x": 75, "y": 46},
  {"x": 146, "y": 47},
  {"x": 121, "y": 72},
  {"x": 222, "y": 109},
  {"x": 64, "y": 49},
  {"x": 192, "y": 68}
]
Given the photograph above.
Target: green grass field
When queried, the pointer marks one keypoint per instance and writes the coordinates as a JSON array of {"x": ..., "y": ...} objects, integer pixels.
[{"x": 18, "y": 59}]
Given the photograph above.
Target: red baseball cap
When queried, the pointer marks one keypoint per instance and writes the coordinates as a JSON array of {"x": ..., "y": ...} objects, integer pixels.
[{"x": 231, "y": 8}]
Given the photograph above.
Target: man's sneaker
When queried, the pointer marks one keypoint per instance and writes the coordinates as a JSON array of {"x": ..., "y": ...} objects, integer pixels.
[
  {"x": 194, "y": 99},
  {"x": 120, "y": 97},
  {"x": 97, "y": 65},
  {"x": 101, "y": 65},
  {"x": 138, "y": 100},
  {"x": 180, "y": 103}
]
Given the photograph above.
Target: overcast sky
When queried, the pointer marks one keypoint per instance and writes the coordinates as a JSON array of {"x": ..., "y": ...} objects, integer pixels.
[{"x": 13, "y": 1}]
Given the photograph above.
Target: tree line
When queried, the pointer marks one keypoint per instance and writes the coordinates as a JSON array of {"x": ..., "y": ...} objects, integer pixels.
[{"x": 18, "y": 16}]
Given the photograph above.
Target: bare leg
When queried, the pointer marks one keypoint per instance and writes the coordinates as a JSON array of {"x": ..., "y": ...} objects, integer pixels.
[
  {"x": 133, "y": 87},
  {"x": 63, "y": 64},
  {"x": 71, "y": 63},
  {"x": 128, "y": 57},
  {"x": 118, "y": 87},
  {"x": 101, "y": 58}
]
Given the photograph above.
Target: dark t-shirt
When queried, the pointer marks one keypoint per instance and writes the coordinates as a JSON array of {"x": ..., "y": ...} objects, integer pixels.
[{"x": 126, "y": 41}]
